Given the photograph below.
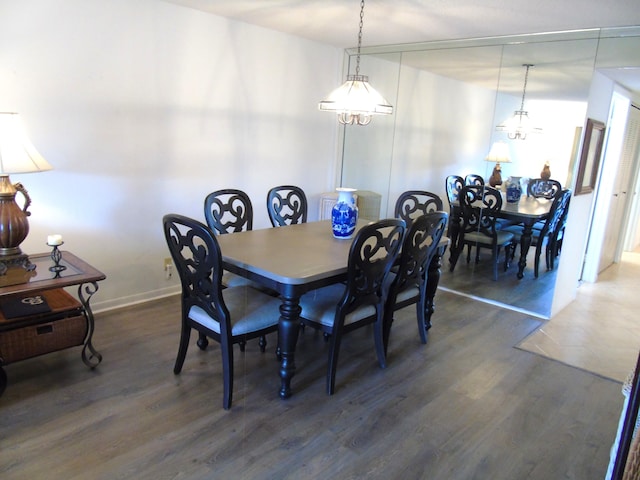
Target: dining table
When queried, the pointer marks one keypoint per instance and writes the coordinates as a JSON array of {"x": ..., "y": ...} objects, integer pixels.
[
  {"x": 525, "y": 212},
  {"x": 292, "y": 260}
]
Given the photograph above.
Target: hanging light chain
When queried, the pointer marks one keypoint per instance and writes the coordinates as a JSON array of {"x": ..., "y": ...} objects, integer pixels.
[
  {"x": 360, "y": 37},
  {"x": 524, "y": 88}
]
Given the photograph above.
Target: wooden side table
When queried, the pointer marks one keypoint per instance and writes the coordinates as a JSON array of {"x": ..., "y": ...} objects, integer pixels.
[{"x": 69, "y": 321}]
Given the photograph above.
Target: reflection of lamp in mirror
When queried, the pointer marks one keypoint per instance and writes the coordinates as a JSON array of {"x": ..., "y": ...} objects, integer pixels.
[
  {"x": 17, "y": 155},
  {"x": 519, "y": 126},
  {"x": 499, "y": 153},
  {"x": 355, "y": 101}
]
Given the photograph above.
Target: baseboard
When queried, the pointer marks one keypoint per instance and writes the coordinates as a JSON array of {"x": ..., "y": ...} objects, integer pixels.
[{"x": 134, "y": 299}]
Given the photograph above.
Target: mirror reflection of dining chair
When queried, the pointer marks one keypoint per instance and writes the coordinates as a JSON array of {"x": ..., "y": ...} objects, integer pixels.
[
  {"x": 230, "y": 315},
  {"x": 473, "y": 179},
  {"x": 414, "y": 203},
  {"x": 558, "y": 236},
  {"x": 548, "y": 235},
  {"x": 338, "y": 309},
  {"x": 408, "y": 283},
  {"x": 286, "y": 205},
  {"x": 479, "y": 205},
  {"x": 540, "y": 188},
  {"x": 453, "y": 186}
]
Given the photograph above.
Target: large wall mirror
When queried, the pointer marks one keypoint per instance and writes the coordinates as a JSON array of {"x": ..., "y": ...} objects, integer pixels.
[{"x": 450, "y": 96}]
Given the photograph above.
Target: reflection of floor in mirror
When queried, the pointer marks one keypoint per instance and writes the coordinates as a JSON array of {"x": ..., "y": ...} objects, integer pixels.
[
  {"x": 599, "y": 331},
  {"x": 476, "y": 280}
]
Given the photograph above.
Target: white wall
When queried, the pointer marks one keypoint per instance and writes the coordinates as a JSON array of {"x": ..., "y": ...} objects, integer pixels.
[
  {"x": 580, "y": 210},
  {"x": 439, "y": 127},
  {"x": 143, "y": 108}
]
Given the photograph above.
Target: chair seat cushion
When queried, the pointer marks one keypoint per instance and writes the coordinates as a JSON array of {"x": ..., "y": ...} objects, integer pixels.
[
  {"x": 410, "y": 292},
  {"x": 503, "y": 236},
  {"x": 517, "y": 233},
  {"x": 320, "y": 306},
  {"x": 251, "y": 310},
  {"x": 502, "y": 223}
]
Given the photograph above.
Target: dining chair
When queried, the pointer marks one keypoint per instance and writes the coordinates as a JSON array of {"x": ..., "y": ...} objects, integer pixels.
[
  {"x": 414, "y": 203},
  {"x": 453, "y": 186},
  {"x": 338, "y": 309},
  {"x": 558, "y": 236},
  {"x": 228, "y": 210},
  {"x": 547, "y": 236},
  {"x": 479, "y": 207},
  {"x": 540, "y": 188},
  {"x": 230, "y": 315},
  {"x": 473, "y": 179},
  {"x": 408, "y": 283},
  {"x": 286, "y": 205}
]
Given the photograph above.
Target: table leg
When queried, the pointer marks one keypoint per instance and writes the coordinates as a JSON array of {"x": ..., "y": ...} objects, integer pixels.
[
  {"x": 288, "y": 330},
  {"x": 85, "y": 292},
  {"x": 525, "y": 243}
]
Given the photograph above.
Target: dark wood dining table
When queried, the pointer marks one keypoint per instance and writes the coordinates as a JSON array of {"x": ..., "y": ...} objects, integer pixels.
[
  {"x": 525, "y": 213},
  {"x": 293, "y": 260}
]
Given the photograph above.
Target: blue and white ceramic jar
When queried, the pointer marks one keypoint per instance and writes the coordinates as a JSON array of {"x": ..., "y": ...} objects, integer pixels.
[
  {"x": 514, "y": 189},
  {"x": 344, "y": 214}
]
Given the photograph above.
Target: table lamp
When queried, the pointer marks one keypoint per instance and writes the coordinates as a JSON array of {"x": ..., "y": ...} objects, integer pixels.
[
  {"x": 499, "y": 153},
  {"x": 17, "y": 155}
]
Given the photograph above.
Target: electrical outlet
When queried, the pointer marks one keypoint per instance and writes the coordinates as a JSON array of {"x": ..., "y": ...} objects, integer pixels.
[{"x": 168, "y": 268}]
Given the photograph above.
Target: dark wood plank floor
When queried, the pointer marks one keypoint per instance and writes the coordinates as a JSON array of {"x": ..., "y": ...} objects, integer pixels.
[
  {"x": 466, "y": 406},
  {"x": 529, "y": 293}
]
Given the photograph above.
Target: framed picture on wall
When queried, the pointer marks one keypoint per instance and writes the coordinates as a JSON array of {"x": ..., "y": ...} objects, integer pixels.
[{"x": 590, "y": 157}]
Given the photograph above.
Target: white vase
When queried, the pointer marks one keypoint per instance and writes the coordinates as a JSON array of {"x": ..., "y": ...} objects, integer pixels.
[{"x": 344, "y": 215}]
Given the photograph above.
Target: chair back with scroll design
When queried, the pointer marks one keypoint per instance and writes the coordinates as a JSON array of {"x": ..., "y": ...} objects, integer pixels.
[
  {"x": 414, "y": 203},
  {"x": 337, "y": 309},
  {"x": 480, "y": 204},
  {"x": 558, "y": 235},
  {"x": 286, "y": 205},
  {"x": 228, "y": 211},
  {"x": 229, "y": 316},
  {"x": 552, "y": 230},
  {"x": 453, "y": 186},
  {"x": 408, "y": 283},
  {"x": 540, "y": 188},
  {"x": 548, "y": 235},
  {"x": 473, "y": 179}
]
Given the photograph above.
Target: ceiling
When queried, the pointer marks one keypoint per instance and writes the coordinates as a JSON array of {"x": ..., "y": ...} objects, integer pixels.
[
  {"x": 392, "y": 22},
  {"x": 388, "y": 22}
]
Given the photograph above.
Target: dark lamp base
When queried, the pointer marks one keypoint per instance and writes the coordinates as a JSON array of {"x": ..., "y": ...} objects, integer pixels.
[
  {"x": 496, "y": 177},
  {"x": 19, "y": 260}
]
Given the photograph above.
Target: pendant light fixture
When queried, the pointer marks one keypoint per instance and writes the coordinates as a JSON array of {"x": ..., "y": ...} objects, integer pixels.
[
  {"x": 519, "y": 126},
  {"x": 355, "y": 101}
]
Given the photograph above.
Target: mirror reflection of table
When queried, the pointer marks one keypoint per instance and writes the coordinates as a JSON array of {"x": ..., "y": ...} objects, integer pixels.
[
  {"x": 25, "y": 336},
  {"x": 293, "y": 260},
  {"x": 526, "y": 212}
]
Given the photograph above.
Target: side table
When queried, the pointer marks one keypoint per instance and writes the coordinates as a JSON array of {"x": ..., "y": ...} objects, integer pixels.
[{"x": 68, "y": 322}]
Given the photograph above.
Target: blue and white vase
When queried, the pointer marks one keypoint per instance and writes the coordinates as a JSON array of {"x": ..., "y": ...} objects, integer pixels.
[
  {"x": 344, "y": 214},
  {"x": 514, "y": 189}
]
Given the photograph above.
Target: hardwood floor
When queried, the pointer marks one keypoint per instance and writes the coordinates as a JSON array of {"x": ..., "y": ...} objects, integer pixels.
[
  {"x": 599, "y": 331},
  {"x": 466, "y": 406},
  {"x": 530, "y": 294}
]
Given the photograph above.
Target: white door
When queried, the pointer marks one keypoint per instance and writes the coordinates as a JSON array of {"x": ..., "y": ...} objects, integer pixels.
[
  {"x": 621, "y": 194},
  {"x": 632, "y": 240}
]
